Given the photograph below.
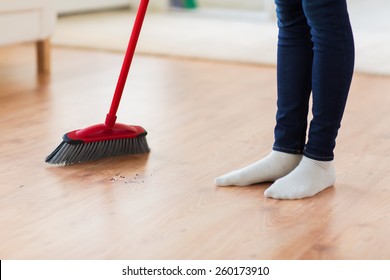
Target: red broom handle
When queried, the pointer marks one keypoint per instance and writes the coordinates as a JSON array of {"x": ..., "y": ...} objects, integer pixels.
[{"x": 111, "y": 116}]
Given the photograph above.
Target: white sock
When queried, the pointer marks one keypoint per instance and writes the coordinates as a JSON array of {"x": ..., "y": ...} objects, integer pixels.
[
  {"x": 309, "y": 178},
  {"x": 268, "y": 169}
]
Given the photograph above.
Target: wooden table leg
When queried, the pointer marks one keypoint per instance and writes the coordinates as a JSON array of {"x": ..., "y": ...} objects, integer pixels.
[{"x": 43, "y": 56}]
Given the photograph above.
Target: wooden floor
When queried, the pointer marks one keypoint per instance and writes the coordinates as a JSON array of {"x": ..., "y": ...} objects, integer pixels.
[{"x": 203, "y": 119}]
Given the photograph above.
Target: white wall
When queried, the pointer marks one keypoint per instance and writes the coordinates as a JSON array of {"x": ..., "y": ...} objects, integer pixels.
[
  {"x": 159, "y": 5},
  {"x": 234, "y": 4},
  {"x": 68, "y": 6}
]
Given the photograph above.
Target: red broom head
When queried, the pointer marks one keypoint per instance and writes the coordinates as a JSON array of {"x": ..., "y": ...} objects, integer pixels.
[{"x": 99, "y": 141}]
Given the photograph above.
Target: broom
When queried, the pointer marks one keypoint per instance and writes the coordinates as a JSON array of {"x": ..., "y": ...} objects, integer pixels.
[{"x": 110, "y": 138}]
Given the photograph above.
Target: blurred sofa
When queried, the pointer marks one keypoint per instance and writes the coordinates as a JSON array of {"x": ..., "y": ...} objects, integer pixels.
[{"x": 29, "y": 21}]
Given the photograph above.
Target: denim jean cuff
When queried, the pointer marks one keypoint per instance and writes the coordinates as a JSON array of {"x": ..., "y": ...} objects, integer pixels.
[
  {"x": 287, "y": 150},
  {"x": 320, "y": 158}
]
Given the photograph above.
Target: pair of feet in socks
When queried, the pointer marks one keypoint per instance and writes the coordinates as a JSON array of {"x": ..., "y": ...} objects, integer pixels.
[{"x": 294, "y": 176}]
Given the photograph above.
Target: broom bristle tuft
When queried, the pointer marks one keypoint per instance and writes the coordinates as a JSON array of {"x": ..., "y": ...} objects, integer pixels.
[{"x": 69, "y": 153}]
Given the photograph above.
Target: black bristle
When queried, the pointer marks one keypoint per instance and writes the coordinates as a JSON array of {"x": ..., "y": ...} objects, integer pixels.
[{"x": 69, "y": 153}]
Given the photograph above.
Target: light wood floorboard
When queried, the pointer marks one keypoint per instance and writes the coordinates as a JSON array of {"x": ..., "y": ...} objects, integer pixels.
[{"x": 203, "y": 119}]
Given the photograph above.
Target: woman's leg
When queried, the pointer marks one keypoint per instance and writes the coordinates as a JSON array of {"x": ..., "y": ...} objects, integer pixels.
[
  {"x": 332, "y": 73},
  {"x": 295, "y": 59},
  {"x": 333, "y": 64},
  {"x": 294, "y": 76}
]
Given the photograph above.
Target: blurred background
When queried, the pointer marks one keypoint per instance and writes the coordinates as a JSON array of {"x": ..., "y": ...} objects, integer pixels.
[{"x": 229, "y": 30}]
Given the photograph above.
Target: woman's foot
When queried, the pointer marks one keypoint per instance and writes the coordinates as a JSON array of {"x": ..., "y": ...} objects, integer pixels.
[
  {"x": 307, "y": 179},
  {"x": 272, "y": 167}
]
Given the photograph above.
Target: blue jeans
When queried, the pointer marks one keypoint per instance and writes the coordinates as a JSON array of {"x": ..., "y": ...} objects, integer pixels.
[{"x": 315, "y": 56}]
